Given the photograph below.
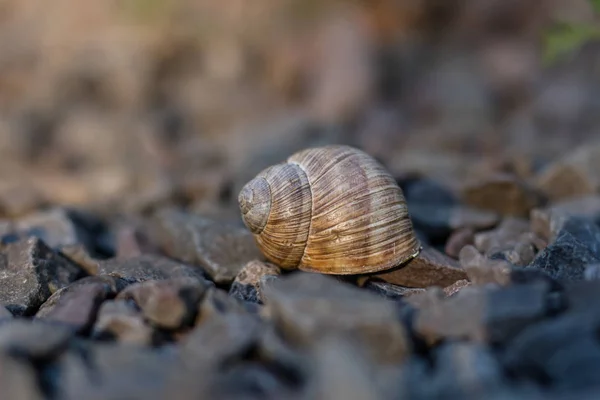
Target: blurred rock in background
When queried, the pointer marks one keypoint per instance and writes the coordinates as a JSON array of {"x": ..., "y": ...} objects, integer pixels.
[{"x": 183, "y": 101}]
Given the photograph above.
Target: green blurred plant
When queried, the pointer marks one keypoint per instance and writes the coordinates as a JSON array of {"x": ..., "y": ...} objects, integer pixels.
[{"x": 564, "y": 38}]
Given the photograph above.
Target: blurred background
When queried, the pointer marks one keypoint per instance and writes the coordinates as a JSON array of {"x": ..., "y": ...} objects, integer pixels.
[{"x": 124, "y": 105}]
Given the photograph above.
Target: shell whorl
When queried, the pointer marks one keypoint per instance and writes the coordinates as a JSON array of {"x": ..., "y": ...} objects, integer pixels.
[
  {"x": 255, "y": 204},
  {"x": 284, "y": 235}
]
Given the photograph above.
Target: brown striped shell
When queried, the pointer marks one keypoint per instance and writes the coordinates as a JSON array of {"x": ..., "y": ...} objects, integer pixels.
[{"x": 333, "y": 210}]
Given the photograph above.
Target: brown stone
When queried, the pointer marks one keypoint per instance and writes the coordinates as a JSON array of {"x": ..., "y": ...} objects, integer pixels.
[
  {"x": 459, "y": 239},
  {"x": 131, "y": 242},
  {"x": 80, "y": 256},
  {"x": 169, "y": 303},
  {"x": 575, "y": 175},
  {"x": 246, "y": 285},
  {"x": 456, "y": 287},
  {"x": 502, "y": 193},
  {"x": 221, "y": 248},
  {"x": 305, "y": 307},
  {"x": 77, "y": 304},
  {"x": 122, "y": 320},
  {"x": 430, "y": 268}
]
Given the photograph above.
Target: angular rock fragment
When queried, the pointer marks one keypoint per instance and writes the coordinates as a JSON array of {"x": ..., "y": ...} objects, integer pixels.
[
  {"x": 79, "y": 255},
  {"x": 389, "y": 291},
  {"x": 149, "y": 267},
  {"x": 121, "y": 320},
  {"x": 18, "y": 380},
  {"x": 307, "y": 306},
  {"x": 222, "y": 249},
  {"x": 169, "y": 303},
  {"x": 502, "y": 193},
  {"x": 30, "y": 272},
  {"x": 430, "y": 268},
  {"x": 246, "y": 285},
  {"x": 76, "y": 305},
  {"x": 456, "y": 287},
  {"x": 34, "y": 339},
  {"x": 573, "y": 250},
  {"x": 485, "y": 316}
]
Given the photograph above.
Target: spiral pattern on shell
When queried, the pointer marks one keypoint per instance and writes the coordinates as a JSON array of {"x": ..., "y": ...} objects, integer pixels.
[{"x": 332, "y": 210}]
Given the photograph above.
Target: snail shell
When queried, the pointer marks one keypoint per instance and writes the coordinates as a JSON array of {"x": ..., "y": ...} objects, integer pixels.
[{"x": 332, "y": 210}]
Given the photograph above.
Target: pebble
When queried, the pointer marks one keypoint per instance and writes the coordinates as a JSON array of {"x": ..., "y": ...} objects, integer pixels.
[
  {"x": 169, "y": 303},
  {"x": 481, "y": 269},
  {"x": 121, "y": 320},
  {"x": 246, "y": 285},
  {"x": 575, "y": 248},
  {"x": 307, "y": 306},
  {"x": 430, "y": 268},
  {"x": 30, "y": 272},
  {"x": 76, "y": 305},
  {"x": 457, "y": 240},
  {"x": 221, "y": 248}
]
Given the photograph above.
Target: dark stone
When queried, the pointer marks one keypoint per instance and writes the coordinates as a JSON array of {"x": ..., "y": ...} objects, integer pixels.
[
  {"x": 586, "y": 231},
  {"x": 149, "y": 267},
  {"x": 122, "y": 320},
  {"x": 246, "y": 285},
  {"x": 169, "y": 303},
  {"x": 30, "y": 273},
  {"x": 307, "y": 306},
  {"x": 566, "y": 258},
  {"x": 562, "y": 353},
  {"x": 221, "y": 248},
  {"x": 33, "y": 339},
  {"x": 77, "y": 304},
  {"x": 486, "y": 316},
  {"x": 389, "y": 291},
  {"x": 430, "y": 268}
]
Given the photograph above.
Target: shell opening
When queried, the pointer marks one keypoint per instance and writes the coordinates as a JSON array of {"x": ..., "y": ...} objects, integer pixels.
[{"x": 255, "y": 204}]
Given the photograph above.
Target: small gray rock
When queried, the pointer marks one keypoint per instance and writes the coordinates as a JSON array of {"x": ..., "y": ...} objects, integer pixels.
[
  {"x": 221, "y": 248},
  {"x": 30, "y": 273},
  {"x": 307, "y": 306},
  {"x": 121, "y": 320}
]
